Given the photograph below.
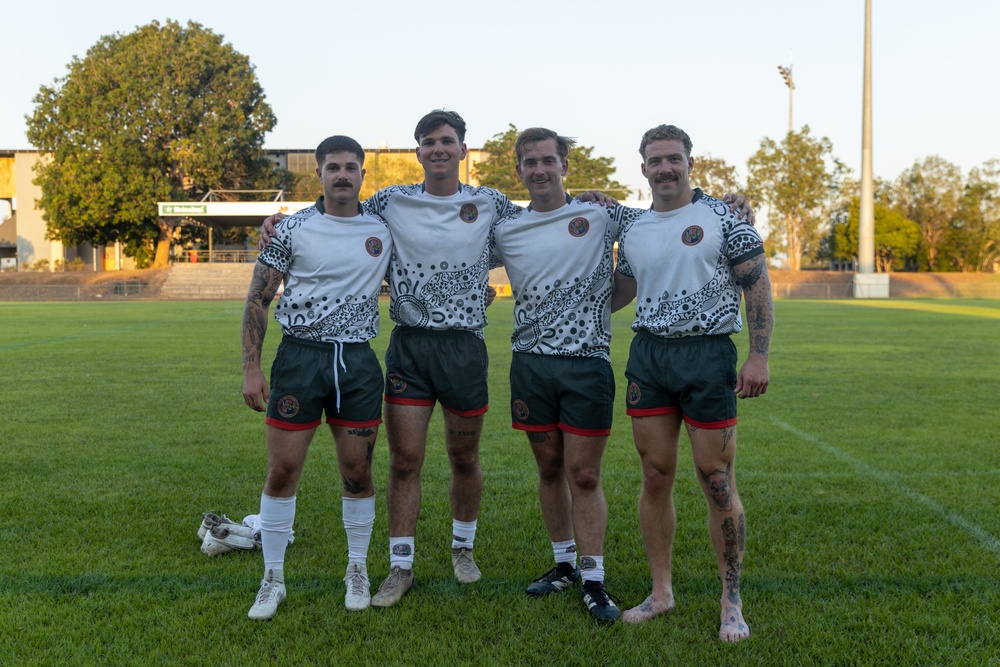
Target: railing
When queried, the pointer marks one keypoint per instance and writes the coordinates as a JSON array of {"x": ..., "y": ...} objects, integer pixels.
[
  {"x": 985, "y": 290},
  {"x": 113, "y": 291},
  {"x": 222, "y": 256}
]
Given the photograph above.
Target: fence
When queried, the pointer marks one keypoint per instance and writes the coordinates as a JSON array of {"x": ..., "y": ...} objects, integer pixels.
[{"x": 103, "y": 291}]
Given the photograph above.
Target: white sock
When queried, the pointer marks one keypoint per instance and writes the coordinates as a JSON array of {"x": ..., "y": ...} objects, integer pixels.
[
  {"x": 359, "y": 518},
  {"x": 276, "y": 518},
  {"x": 401, "y": 552},
  {"x": 463, "y": 534},
  {"x": 592, "y": 568},
  {"x": 564, "y": 552}
]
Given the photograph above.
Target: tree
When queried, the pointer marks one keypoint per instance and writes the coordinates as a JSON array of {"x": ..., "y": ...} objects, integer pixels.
[
  {"x": 796, "y": 180},
  {"x": 973, "y": 240},
  {"x": 930, "y": 192},
  {"x": 896, "y": 238},
  {"x": 163, "y": 113},
  {"x": 714, "y": 176},
  {"x": 586, "y": 172}
]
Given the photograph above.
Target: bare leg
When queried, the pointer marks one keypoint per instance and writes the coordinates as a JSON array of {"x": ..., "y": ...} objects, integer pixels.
[
  {"x": 286, "y": 456},
  {"x": 354, "y": 458},
  {"x": 582, "y": 456},
  {"x": 553, "y": 490},
  {"x": 462, "y": 442},
  {"x": 714, "y": 453},
  {"x": 406, "y": 430},
  {"x": 656, "y": 441}
]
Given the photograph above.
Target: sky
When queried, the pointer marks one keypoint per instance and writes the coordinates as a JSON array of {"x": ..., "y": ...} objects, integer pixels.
[{"x": 601, "y": 72}]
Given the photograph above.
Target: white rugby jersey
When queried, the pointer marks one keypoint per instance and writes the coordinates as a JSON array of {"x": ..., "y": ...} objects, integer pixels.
[
  {"x": 560, "y": 267},
  {"x": 682, "y": 262},
  {"x": 333, "y": 273},
  {"x": 440, "y": 269}
]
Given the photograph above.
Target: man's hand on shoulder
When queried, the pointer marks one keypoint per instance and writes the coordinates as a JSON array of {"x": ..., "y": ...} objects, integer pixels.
[
  {"x": 739, "y": 205},
  {"x": 599, "y": 197},
  {"x": 267, "y": 230}
]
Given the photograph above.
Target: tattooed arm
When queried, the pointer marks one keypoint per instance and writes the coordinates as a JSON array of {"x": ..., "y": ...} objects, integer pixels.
[
  {"x": 751, "y": 275},
  {"x": 263, "y": 287}
]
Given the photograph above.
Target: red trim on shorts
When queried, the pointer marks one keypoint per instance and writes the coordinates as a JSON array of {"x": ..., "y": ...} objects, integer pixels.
[
  {"x": 290, "y": 426},
  {"x": 586, "y": 432},
  {"x": 349, "y": 424},
  {"x": 711, "y": 425},
  {"x": 650, "y": 412},
  {"x": 395, "y": 400},
  {"x": 533, "y": 428},
  {"x": 467, "y": 413}
]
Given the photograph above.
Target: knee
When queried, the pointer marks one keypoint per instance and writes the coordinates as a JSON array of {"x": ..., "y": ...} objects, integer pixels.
[
  {"x": 549, "y": 472},
  {"x": 656, "y": 481},
  {"x": 403, "y": 465},
  {"x": 280, "y": 481},
  {"x": 357, "y": 478},
  {"x": 465, "y": 462},
  {"x": 586, "y": 478}
]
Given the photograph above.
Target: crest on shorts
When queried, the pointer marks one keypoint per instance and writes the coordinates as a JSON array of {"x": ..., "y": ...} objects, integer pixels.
[
  {"x": 401, "y": 550},
  {"x": 374, "y": 246},
  {"x": 520, "y": 409},
  {"x": 579, "y": 226},
  {"x": 588, "y": 563},
  {"x": 395, "y": 383},
  {"x": 468, "y": 213},
  {"x": 632, "y": 393},
  {"x": 692, "y": 235},
  {"x": 288, "y": 406}
]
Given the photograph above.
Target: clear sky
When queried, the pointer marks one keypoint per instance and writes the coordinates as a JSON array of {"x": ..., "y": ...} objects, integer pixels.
[{"x": 603, "y": 72}]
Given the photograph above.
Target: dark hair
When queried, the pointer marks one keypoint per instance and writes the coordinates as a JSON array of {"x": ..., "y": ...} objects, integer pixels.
[
  {"x": 336, "y": 144},
  {"x": 665, "y": 133},
  {"x": 436, "y": 119},
  {"x": 533, "y": 134}
]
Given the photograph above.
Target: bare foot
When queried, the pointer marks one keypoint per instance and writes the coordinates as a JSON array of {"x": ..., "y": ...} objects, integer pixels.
[
  {"x": 649, "y": 608},
  {"x": 733, "y": 628}
]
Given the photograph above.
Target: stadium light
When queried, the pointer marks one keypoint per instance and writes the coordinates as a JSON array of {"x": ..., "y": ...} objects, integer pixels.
[{"x": 786, "y": 74}]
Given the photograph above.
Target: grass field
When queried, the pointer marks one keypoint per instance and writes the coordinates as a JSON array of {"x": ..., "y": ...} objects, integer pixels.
[{"x": 870, "y": 473}]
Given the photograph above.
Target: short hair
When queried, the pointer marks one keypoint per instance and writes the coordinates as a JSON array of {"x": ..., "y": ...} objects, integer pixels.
[
  {"x": 533, "y": 134},
  {"x": 436, "y": 119},
  {"x": 336, "y": 144},
  {"x": 665, "y": 133}
]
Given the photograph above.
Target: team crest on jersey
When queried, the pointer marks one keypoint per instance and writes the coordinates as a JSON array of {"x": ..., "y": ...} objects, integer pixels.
[
  {"x": 579, "y": 226},
  {"x": 396, "y": 384},
  {"x": 520, "y": 409},
  {"x": 288, "y": 406},
  {"x": 374, "y": 246},
  {"x": 632, "y": 394},
  {"x": 468, "y": 213},
  {"x": 692, "y": 235},
  {"x": 401, "y": 550}
]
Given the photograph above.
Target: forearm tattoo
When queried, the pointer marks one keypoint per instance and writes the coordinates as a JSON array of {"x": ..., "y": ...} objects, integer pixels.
[
  {"x": 719, "y": 486},
  {"x": 263, "y": 286}
]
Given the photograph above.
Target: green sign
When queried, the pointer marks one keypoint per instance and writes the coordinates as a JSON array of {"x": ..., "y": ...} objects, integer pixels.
[{"x": 183, "y": 209}]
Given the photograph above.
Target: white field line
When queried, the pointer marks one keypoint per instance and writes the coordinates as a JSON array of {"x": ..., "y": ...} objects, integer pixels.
[{"x": 967, "y": 526}]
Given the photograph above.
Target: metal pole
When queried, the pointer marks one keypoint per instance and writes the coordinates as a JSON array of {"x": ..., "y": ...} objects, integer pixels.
[{"x": 866, "y": 219}]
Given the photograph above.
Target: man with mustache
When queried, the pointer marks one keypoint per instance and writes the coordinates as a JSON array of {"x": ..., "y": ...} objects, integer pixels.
[
  {"x": 559, "y": 258},
  {"x": 328, "y": 312},
  {"x": 690, "y": 260}
]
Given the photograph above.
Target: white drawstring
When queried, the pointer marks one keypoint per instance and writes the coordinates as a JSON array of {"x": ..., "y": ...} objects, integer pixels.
[{"x": 338, "y": 357}]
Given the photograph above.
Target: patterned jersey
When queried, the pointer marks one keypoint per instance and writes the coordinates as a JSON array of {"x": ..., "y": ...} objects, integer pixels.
[
  {"x": 560, "y": 267},
  {"x": 682, "y": 262},
  {"x": 440, "y": 270},
  {"x": 333, "y": 273}
]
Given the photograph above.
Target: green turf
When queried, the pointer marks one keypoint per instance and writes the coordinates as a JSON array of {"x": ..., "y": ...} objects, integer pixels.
[{"x": 870, "y": 473}]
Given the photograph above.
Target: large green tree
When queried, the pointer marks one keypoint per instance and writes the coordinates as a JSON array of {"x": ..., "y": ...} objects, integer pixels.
[
  {"x": 163, "y": 113},
  {"x": 930, "y": 192},
  {"x": 714, "y": 176},
  {"x": 797, "y": 180},
  {"x": 973, "y": 240},
  {"x": 896, "y": 238},
  {"x": 586, "y": 171}
]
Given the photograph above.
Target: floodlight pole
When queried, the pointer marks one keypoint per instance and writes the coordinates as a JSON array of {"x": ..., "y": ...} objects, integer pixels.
[
  {"x": 866, "y": 219},
  {"x": 786, "y": 74}
]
